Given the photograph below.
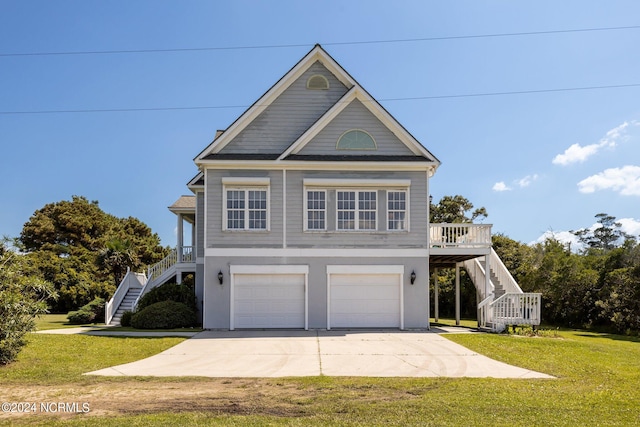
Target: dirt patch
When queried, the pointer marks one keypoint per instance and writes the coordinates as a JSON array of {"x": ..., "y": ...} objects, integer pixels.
[{"x": 219, "y": 396}]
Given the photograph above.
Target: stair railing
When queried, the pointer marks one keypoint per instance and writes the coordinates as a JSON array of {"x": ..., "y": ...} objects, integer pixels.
[
  {"x": 160, "y": 267},
  {"x": 475, "y": 270},
  {"x": 517, "y": 308},
  {"x": 485, "y": 312},
  {"x": 115, "y": 301},
  {"x": 505, "y": 278}
]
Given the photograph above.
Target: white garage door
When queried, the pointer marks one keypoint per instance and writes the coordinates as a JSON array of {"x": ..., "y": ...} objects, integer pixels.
[
  {"x": 269, "y": 301},
  {"x": 365, "y": 300}
]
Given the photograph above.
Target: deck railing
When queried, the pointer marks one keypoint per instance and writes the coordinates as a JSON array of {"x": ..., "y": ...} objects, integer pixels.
[{"x": 459, "y": 235}]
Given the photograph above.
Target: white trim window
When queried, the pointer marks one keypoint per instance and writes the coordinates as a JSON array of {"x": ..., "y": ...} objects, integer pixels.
[
  {"x": 316, "y": 210},
  {"x": 246, "y": 208},
  {"x": 397, "y": 210},
  {"x": 356, "y": 210}
]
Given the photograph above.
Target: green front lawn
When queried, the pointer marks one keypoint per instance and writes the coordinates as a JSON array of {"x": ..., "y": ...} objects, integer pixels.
[
  {"x": 59, "y": 321},
  {"x": 598, "y": 378},
  {"x": 55, "y": 321}
]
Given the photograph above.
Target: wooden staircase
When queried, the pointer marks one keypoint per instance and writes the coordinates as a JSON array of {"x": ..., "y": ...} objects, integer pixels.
[
  {"x": 134, "y": 285},
  {"x": 504, "y": 303},
  {"x": 126, "y": 305}
]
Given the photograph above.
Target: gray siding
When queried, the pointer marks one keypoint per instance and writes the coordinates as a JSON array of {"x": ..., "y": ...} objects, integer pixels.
[
  {"x": 416, "y": 237},
  {"x": 217, "y": 237},
  {"x": 355, "y": 116},
  {"x": 289, "y": 116},
  {"x": 218, "y": 298}
]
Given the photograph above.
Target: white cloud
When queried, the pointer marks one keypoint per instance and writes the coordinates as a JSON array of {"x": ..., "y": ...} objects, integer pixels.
[
  {"x": 624, "y": 180},
  {"x": 565, "y": 237},
  {"x": 577, "y": 153},
  {"x": 630, "y": 226},
  {"x": 523, "y": 182},
  {"x": 500, "y": 186},
  {"x": 527, "y": 180}
]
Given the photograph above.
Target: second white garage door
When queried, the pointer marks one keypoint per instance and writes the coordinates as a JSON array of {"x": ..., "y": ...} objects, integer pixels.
[
  {"x": 268, "y": 301},
  {"x": 365, "y": 301}
]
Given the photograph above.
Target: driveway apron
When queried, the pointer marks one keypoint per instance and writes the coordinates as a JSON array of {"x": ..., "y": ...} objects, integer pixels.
[{"x": 280, "y": 353}]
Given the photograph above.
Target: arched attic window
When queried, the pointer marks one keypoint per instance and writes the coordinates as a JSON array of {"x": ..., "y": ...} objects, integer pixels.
[
  {"x": 317, "y": 82},
  {"x": 356, "y": 139}
]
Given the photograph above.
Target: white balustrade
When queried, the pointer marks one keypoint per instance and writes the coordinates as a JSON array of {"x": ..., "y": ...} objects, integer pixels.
[{"x": 459, "y": 235}]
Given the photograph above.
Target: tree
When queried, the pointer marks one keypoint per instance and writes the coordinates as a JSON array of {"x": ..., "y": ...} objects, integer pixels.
[
  {"x": 455, "y": 209},
  {"x": 22, "y": 298},
  {"x": 83, "y": 251},
  {"x": 117, "y": 256},
  {"x": 604, "y": 237}
]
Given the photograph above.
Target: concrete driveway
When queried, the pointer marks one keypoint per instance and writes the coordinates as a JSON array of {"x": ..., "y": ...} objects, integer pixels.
[{"x": 319, "y": 352}]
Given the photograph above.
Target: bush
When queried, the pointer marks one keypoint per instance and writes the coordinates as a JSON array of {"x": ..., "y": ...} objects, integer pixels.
[
  {"x": 164, "y": 315},
  {"x": 125, "y": 320},
  {"x": 169, "y": 292},
  {"x": 91, "y": 312},
  {"x": 80, "y": 317}
]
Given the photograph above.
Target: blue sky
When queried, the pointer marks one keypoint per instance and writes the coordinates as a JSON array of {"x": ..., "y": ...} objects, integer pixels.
[{"x": 537, "y": 161}]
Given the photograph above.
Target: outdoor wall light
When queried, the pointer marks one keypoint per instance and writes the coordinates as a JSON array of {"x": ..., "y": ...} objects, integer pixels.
[
  {"x": 220, "y": 276},
  {"x": 413, "y": 277}
]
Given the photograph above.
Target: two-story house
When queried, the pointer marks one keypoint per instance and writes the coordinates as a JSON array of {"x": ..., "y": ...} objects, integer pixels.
[{"x": 311, "y": 210}]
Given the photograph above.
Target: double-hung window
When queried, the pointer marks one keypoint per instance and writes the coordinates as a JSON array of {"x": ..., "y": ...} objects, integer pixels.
[
  {"x": 245, "y": 207},
  {"x": 356, "y": 210},
  {"x": 316, "y": 210},
  {"x": 397, "y": 210}
]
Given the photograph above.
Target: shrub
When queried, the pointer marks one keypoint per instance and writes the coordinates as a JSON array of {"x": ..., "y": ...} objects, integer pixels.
[
  {"x": 164, "y": 315},
  {"x": 81, "y": 317},
  {"x": 169, "y": 292},
  {"x": 125, "y": 320},
  {"x": 88, "y": 313}
]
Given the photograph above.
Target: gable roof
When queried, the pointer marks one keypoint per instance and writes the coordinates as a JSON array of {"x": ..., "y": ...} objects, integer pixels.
[
  {"x": 354, "y": 92},
  {"x": 314, "y": 55}
]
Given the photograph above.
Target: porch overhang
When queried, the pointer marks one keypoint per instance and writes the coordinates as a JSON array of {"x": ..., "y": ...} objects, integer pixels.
[{"x": 449, "y": 257}]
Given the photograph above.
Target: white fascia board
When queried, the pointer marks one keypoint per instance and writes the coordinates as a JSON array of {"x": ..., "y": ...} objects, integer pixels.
[
  {"x": 365, "y": 269},
  {"x": 318, "y": 165},
  {"x": 250, "y": 180},
  {"x": 336, "y": 182},
  {"x": 316, "y": 54},
  {"x": 356, "y": 92},
  {"x": 269, "y": 269},
  {"x": 320, "y": 124},
  {"x": 393, "y": 125},
  {"x": 318, "y": 252}
]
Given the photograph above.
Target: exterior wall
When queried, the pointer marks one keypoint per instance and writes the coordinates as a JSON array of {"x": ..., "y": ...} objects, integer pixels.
[
  {"x": 292, "y": 113},
  {"x": 217, "y": 237},
  {"x": 416, "y": 237},
  {"x": 218, "y": 297},
  {"x": 355, "y": 116}
]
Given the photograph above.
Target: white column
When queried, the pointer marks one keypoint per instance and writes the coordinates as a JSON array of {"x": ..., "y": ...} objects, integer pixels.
[
  {"x": 436, "y": 286},
  {"x": 457, "y": 294},
  {"x": 180, "y": 237},
  {"x": 487, "y": 276}
]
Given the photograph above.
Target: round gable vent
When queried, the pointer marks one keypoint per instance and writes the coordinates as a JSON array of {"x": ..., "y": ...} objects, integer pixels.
[{"x": 317, "y": 82}]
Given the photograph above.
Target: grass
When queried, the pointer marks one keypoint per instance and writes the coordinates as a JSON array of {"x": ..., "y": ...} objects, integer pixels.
[
  {"x": 597, "y": 384},
  {"x": 56, "y": 321},
  {"x": 59, "y": 359},
  {"x": 59, "y": 321}
]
